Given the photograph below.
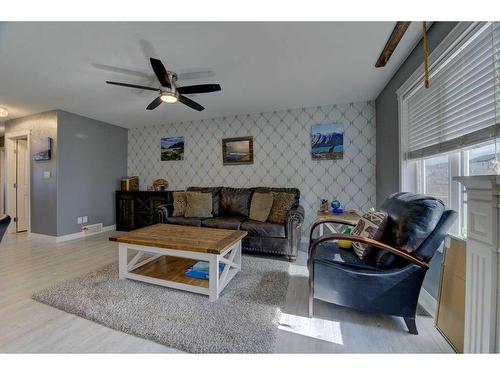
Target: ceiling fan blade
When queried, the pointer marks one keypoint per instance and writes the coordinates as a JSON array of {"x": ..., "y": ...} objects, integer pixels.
[
  {"x": 199, "y": 89},
  {"x": 131, "y": 85},
  {"x": 190, "y": 103},
  {"x": 160, "y": 71},
  {"x": 155, "y": 103},
  {"x": 393, "y": 41}
]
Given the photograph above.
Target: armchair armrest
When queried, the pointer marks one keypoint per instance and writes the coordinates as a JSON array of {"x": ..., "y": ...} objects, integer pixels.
[
  {"x": 332, "y": 221},
  {"x": 365, "y": 240},
  {"x": 162, "y": 212}
]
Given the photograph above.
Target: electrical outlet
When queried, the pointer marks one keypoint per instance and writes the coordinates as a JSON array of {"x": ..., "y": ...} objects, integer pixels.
[
  {"x": 79, "y": 220},
  {"x": 85, "y": 219}
]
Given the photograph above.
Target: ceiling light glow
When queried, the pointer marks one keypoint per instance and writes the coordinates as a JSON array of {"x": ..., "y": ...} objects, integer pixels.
[
  {"x": 168, "y": 97},
  {"x": 3, "y": 112}
]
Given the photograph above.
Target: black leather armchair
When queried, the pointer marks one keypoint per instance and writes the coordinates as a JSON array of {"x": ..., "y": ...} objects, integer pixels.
[
  {"x": 389, "y": 280},
  {"x": 4, "y": 224}
]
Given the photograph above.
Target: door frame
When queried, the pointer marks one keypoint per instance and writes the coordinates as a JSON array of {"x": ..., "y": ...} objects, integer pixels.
[{"x": 10, "y": 159}]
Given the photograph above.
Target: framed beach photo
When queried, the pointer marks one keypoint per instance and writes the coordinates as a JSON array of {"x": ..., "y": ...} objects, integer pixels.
[
  {"x": 327, "y": 141},
  {"x": 172, "y": 148},
  {"x": 236, "y": 151}
]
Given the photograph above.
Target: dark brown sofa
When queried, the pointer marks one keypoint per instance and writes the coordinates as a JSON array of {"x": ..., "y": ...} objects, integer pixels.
[{"x": 231, "y": 208}]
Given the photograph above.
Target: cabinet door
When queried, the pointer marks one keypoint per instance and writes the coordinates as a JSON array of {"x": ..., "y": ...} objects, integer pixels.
[{"x": 125, "y": 212}]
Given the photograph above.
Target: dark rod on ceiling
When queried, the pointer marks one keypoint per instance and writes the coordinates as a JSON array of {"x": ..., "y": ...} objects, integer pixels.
[{"x": 392, "y": 43}]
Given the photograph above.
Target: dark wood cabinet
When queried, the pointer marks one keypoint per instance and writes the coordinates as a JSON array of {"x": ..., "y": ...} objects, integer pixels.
[{"x": 137, "y": 209}]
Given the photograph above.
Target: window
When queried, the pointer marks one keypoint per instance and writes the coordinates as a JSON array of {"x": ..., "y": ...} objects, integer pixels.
[
  {"x": 453, "y": 128},
  {"x": 437, "y": 178}
]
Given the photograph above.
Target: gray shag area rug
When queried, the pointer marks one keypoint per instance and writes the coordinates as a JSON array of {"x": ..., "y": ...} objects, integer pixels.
[{"x": 243, "y": 320}]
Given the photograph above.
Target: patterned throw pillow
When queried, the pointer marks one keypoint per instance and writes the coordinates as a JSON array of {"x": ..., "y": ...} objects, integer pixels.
[
  {"x": 282, "y": 203},
  {"x": 371, "y": 225},
  {"x": 198, "y": 204},
  {"x": 179, "y": 203}
]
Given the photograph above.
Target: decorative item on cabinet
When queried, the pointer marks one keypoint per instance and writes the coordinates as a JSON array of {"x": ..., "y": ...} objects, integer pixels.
[
  {"x": 130, "y": 183},
  {"x": 160, "y": 184}
]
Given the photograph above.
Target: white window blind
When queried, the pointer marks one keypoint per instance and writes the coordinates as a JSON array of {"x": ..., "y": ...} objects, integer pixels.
[{"x": 461, "y": 106}]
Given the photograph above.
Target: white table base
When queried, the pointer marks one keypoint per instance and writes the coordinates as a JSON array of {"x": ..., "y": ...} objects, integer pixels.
[{"x": 231, "y": 258}]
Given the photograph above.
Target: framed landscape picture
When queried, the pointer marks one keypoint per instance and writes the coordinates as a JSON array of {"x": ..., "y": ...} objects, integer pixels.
[
  {"x": 45, "y": 147},
  {"x": 172, "y": 148},
  {"x": 327, "y": 141},
  {"x": 237, "y": 151}
]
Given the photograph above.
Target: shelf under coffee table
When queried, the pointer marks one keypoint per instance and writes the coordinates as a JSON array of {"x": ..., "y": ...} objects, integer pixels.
[{"x": 160, "y": 254}]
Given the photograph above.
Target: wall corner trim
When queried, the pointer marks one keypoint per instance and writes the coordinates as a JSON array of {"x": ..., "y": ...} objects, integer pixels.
[{"x": 428, "y": 302}]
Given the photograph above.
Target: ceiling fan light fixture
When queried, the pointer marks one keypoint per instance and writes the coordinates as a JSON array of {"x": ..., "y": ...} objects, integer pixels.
[
  {"x": 3, "y": 112},
  {"x": 168, "y": 97}
]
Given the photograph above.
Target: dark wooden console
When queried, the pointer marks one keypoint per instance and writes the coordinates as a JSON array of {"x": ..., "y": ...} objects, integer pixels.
[{"x": 137, "y": 209}]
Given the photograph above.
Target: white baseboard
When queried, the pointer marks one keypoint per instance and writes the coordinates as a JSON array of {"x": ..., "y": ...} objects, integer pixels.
[
  {"x": 72, "y": 236},
  {"x": 427, "y": 302}
]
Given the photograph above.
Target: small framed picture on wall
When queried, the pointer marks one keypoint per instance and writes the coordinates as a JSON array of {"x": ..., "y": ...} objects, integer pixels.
[
  {"x": 327, "y": 141},
  {"x": 237, "y": 151}
]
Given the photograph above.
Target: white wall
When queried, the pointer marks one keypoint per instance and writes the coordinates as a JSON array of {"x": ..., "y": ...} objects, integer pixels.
[{"x": 282, "y": 154}]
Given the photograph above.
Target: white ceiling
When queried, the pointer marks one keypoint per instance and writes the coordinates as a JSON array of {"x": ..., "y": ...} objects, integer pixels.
[{"x": 260, "y": 66}]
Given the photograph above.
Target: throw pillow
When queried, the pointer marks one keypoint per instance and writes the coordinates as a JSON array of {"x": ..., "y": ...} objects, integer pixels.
[
  {"x": 235, "y": 201},
  {"x": 371, "y": 225},
  {"x": 198, "y": 204},
  {"x": 179, "y": 198},
  {"x": 261, "y": 206},
  {"x": 282, "y": 203}
]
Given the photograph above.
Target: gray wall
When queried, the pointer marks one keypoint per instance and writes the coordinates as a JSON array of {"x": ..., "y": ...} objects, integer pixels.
[
  {"x": 43, "y": 191},
  {"x": 387, "y": 114},
  {"x": 92, "y": 159},
  {"x": 387, "y": 117}
]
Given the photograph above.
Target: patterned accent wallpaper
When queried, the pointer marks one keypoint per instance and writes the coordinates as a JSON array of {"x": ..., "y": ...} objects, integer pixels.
[{"x": 282, "y": 147}]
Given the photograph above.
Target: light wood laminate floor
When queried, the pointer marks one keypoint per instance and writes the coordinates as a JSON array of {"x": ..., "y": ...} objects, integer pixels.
[{"x": 29, "y": 264}]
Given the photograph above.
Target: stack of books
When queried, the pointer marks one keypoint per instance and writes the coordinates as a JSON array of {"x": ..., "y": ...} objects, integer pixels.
[{"x": 199, "y": 270}]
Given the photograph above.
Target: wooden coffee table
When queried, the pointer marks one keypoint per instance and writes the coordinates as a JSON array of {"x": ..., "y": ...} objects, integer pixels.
[{"x": 163, "y": 252}]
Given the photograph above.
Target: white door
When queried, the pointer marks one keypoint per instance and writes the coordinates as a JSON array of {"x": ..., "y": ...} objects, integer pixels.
[{"x": 22, "y": 185}]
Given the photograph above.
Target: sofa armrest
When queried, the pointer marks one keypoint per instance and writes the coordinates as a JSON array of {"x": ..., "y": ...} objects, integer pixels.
[
  {"x": 162, "y": 212},
  {"x": 294, "y": 220}
]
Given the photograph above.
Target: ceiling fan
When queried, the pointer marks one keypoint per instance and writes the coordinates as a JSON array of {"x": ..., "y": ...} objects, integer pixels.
[{"x": 169, "y": 92}]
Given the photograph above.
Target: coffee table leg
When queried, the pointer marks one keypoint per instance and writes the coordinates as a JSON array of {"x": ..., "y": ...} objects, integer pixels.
[
  {"x": 122, "y": 261},
  {"x": 213, "y": 282}
]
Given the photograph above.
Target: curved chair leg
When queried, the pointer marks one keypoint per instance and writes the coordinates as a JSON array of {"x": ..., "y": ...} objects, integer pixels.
[{"x": 412, "y": 326}]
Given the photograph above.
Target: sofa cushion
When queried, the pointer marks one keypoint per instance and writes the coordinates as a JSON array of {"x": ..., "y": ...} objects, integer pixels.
[
  {"x": 215, "y": 191},
  {"x": 260, "y": 206},
  {"x": 228, "y": 222},
  {"x": 257, "y": 228},
  {"x": 235, "y": 202},
  {"x": 179, "y": 200},
  {"x": 198, "y": 204},
  {"x": 294, "y": 191},
  {"x": 330, "y": 253},
  {"x": 282, "y": 204},
  {"x": 180, "y": 220}
]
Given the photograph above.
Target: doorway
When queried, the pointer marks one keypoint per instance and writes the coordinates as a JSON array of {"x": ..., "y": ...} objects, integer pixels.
[
  {"x": 17, "y": 147},
  {"x": 21, "y": 184}
]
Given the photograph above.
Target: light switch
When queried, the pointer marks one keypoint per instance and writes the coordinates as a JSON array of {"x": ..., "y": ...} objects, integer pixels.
[{"x": 46, "y": 175}]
